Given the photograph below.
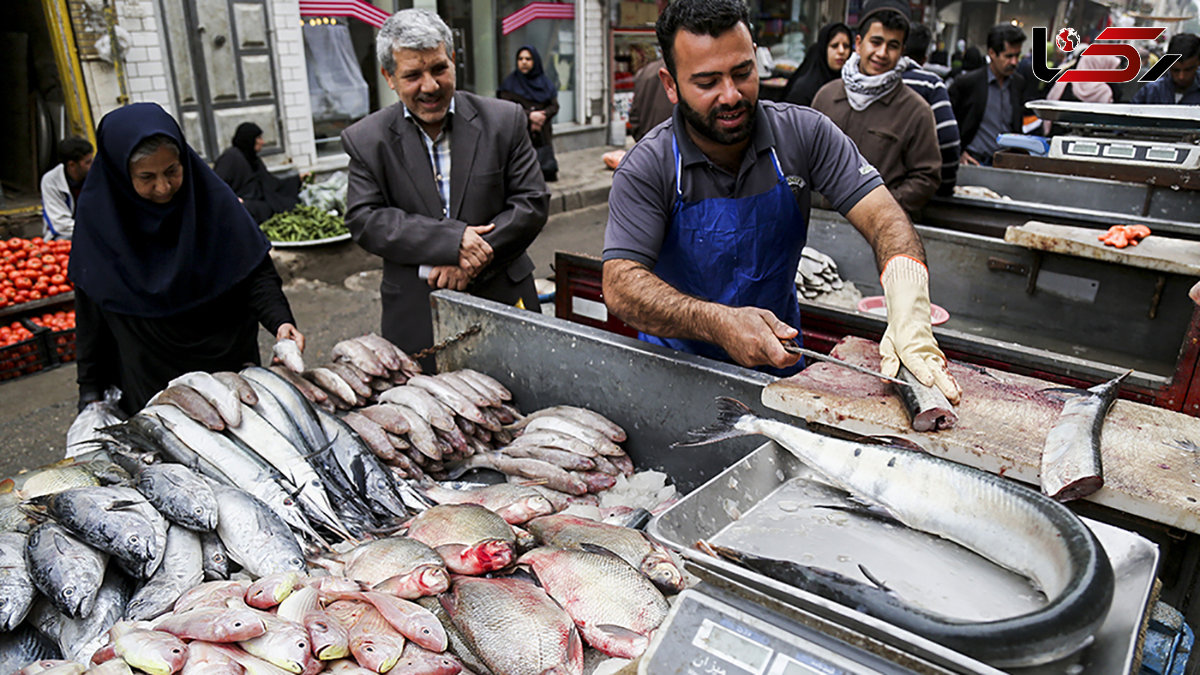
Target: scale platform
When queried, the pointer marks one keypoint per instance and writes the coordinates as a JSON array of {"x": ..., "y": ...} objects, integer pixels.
[
  {"x": 1124, "y": 134},
  {"x": 771, "y": 504}
]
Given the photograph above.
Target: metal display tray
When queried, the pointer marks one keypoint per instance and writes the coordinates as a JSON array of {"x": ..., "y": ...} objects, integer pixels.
[{"x": 771, "y": 504}]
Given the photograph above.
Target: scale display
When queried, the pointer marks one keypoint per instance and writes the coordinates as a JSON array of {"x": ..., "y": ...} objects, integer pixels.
[
  {"x": 1125, "y": 151},
  {"x": 704, "y": 635}
]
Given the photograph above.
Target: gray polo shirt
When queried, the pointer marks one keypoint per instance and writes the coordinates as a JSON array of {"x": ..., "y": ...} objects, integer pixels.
[{"x": 813, "y": 153}]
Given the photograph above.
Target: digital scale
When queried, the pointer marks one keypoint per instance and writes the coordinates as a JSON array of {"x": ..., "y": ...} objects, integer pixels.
[
  {"x": 1164, "y": 136},
  {"x": 737, "y": 622}
]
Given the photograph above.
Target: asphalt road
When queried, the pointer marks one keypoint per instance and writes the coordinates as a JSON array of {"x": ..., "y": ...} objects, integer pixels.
[{"x": 334, "y": 293}]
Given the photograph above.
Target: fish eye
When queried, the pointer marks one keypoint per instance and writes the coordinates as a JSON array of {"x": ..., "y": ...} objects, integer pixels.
[
  {"x": 133, "y": 539},
  {"x": 199, "y": 510},
  {"x": 68, "y": 591},
  {"x": 302, "y": 645},
  {"x": 175, "y": 650},
  {"x": 237, "y": 624}
]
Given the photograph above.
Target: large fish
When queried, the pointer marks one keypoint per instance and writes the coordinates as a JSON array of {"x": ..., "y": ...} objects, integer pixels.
[
  {"x": 80, "y": 638},
  {"x": 151, "y": 651},
  {"x": 284, "y": 644},
  {"x": 64, "y": 569},
  {"x": 205, "y": 659},
  {"x": 107, "y": 519},
  {"x": 362, "y": 469},
  {"x": 457, "y": 643},
  {"x": 180, "y": 495},
  {"x": 292, "y": 400},
  {"x": 375, "y": 643},
  {"x": 402, "y": 566},
  {"x": 493, "y": 614},
  {"x": 224, "y": 399},
  {"x": 631, "y": 545},
  {"x": 471, "y": 539},
  {"x": 217, "y": 565},
  {"x": 214, "y": 624},
  {"x": 182, "y": 568},
  {"x": 1009, "y": 524},
  {"x": 16, "y": 587},
  {"x": 1071, "y": 466},
  {"x": 254, "y": 536},
  {"x": 416, "y": 660},
  {"x": 614, "y": 606}
]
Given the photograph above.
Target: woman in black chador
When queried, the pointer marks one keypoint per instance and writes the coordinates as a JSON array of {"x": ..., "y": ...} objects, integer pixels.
[
  {"x": 262, "y": 193},
  {"x": 529, "y": 86}
]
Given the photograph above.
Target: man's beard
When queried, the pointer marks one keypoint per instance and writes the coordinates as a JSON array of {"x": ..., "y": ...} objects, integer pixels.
[{"x": 707, "y": 126}]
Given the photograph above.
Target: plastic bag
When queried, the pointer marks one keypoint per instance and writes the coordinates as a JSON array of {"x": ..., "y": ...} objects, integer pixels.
[
  {"x": 329, "y": 195},
  {"x": 95, "y": 416},
  {"x": 336, "y": 88}
]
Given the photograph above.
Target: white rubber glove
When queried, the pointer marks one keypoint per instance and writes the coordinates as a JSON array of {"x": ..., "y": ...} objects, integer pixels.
[{"x": 909, "y": 335}]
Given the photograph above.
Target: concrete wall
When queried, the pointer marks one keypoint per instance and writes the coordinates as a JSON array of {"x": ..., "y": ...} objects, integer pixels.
[
  {"x": 291, "y": 75},
  {"x": 146, "y": 76}
]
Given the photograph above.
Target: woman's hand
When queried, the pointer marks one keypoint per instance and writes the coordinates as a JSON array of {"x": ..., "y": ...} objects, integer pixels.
[
  {"x": 537, "y": 118},
  {"x": 289, "y": 332}
]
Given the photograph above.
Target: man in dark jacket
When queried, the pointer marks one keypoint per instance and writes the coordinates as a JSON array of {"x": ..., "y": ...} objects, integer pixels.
[
  {"x": 988, "y": 101},
  {"x": 650, "y": 106},
  {"x": 1181, "y": 84},
  {"x": 931, "y": 88}
]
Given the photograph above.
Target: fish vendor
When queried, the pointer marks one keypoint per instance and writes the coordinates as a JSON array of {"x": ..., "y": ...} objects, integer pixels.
[
  {"x": 171, "y": 273},
  {"x": 708, "y": 212}
]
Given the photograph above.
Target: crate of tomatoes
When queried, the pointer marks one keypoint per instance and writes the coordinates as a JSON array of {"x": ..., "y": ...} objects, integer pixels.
[
  {"x": 60, "y": 338},
  {"x": 32, "y": 269},
  {"x": 23, "y": 349}
]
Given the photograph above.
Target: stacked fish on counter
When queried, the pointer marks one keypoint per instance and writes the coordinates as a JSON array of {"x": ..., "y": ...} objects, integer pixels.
[{"x": 375, "y": 606}]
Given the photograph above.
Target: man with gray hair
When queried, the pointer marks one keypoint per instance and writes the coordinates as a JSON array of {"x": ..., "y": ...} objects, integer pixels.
[{"x": 444, "y": 185}]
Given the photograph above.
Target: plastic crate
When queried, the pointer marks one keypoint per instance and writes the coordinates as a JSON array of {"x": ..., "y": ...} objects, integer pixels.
[
  {"x": 28, "y": 356},
  {"x": 61, "y": 346}
]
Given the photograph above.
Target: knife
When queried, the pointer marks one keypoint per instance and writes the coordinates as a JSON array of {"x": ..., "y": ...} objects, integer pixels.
[{"x": 791, "y": 347}]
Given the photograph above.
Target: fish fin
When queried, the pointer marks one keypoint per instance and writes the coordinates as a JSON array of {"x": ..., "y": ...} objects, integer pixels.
[
  {"x": 1077, "y": 391},
  {"x": 596, "y": 548},
  {"x": 862, "y": 510},
  {"x": 873, "y": 579},
  {"x": 413, "y": 498},
  {"x": 615, "y": 640},
  {"x": 122, "y": 504},
  {"x": 729, "y": 411},
  {"x": 899, "y": 442},
  {"x": 7, "y": 486}
]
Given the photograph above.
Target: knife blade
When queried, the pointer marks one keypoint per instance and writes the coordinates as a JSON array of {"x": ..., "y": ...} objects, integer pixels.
[{"x": 791, "y": 347}]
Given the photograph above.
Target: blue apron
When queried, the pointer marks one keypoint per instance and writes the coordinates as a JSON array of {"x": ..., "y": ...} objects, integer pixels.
[{"x": 737, "y": 252}]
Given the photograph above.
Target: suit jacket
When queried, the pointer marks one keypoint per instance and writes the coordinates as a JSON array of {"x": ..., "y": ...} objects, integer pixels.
[
  {"x": 393, "y": 208},
  {"x": 968, "y": 97},
  {"x": 650, "y": 106}
]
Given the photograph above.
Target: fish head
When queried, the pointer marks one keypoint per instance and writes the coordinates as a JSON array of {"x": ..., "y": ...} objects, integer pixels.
[
  {"x": 432, "y": 580},
  {"x": 329, "y": 639},
  {"x": 154, "y": 652},
  {"x": 374, "y": 652},
  {"x": 425, "y": 662},
  {"x": 662, "y": 571},
  {"x": 492, "y": 554},
  {"x": 15, "y": 602},
  {"x": 235, "y": 625},
  {"x": 525, "y": 509},
  {"x": 273, "y": 589},
  {"x": 73, "y": 601}
]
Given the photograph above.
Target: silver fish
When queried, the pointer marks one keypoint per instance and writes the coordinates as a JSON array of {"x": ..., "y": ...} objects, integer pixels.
[
  {"x": 64, "y": 569},
  {"x": 288, "y": 353},
  {"x": 191, "y": 402},
  {"x": 107, "y": 518},
  {"x": 80, "y": 638},
  {"x": 222, "y": 397},
  {"x": 434, "y": 412},
  {"x": 25, "y": 645},
  {"x": 361, "y": 356},
  {"x": 1009, "y": 524},
  {"x": 927, "y": 407},
  {"x": 293, "y": 401},
  {"x": 254, "y": 536},
  {"x": 217, "y": 564},
  {"x": 1071, "y": 466},
  {"x": 16, "y": 587},
  {"x": 237, "y": 385},
  {"x": 182, "y": 568},
  {"x": 584, "y": 416},
  {"x": 182, "y": 496},
  {"x": 456, "y": 401}
]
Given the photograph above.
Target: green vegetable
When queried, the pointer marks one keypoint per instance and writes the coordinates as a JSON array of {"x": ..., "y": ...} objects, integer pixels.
[{"x": 303, "y": 223}]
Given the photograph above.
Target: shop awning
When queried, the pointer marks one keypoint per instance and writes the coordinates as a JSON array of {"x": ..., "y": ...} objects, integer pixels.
[
  {"x": 363, "y": 11},
  {"x": 534, "y": 11}
]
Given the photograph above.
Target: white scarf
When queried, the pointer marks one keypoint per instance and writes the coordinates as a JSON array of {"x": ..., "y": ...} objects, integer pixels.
[{"x": 863, "y": 90}]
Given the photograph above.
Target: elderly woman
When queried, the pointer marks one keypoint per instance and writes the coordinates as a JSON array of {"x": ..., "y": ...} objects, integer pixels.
[
  {"x": 529, "y": 86},
  {"x": 171, "y": 273},
  {"x": 262, "y": 193}
]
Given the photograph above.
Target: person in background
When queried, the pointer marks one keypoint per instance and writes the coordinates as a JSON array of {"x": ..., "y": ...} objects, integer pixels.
[
  {"x": 891, "y": 124},
  {"x": 708, "y": 213},
  {"x": 822, "y": 64},
  {"x": 988, "y": 101},
  {"x": 1181, "y": 84},
  {"x": 529, "y": 87},
  {"x": 650, "y": 106},
  {"x": 1089, "y": 92},
  {"x": 171, "y": 273},
  {"x": 972, "y": 59},
  {"x": 61, "y": 186},
  {"x": 931, "y": 88},
  {"x": 262, "y": 193},
  {"x": 444, "y": 185}
]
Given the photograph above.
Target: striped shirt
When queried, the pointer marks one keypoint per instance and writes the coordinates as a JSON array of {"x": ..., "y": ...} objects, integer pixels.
[
  {"x": 439, "y": 155},
  {"x": 933, "y": 90}
]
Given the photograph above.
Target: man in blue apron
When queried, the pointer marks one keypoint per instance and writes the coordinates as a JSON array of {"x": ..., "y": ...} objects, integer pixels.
[{"x": 708, "y": 212}]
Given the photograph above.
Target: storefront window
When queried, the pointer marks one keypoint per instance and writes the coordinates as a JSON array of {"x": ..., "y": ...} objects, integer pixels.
[{"x": 554, "y": 38}]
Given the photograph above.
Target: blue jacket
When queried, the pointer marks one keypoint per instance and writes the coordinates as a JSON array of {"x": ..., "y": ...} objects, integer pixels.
[{"x": 1162, "y": 92}]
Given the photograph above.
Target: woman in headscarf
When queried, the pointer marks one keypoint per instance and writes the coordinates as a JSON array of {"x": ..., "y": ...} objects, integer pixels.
[
  {"x": 822, "y": 63},
  {"x": 171, "y": 273},
  {"x": 529, "y": 86},
  {"x": 262, "y": 193}
]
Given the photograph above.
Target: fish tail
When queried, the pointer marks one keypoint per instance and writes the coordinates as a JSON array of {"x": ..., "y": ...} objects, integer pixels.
[{"x": 729, "y": 411}]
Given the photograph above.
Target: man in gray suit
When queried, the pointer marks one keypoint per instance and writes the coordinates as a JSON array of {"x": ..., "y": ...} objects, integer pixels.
[{"x": 444, "y": 185}]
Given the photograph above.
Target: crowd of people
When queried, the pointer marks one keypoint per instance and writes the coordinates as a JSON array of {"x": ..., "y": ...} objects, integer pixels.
[{"x": 708, "y": 211}]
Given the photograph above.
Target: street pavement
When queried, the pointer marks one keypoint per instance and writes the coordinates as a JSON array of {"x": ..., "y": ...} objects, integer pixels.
[{"x": 334, "y": 293}]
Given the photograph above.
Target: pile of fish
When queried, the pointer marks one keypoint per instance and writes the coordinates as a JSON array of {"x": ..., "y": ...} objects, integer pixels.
[{"x": 400, "y": 604}]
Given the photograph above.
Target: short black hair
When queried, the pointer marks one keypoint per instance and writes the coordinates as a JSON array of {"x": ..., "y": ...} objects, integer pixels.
[
  {"x": 73, "y": 149},
  {"x": 1184, "y": 44},
  {"x": 1002, "y": 34},
  {"x": 702, "y": 17},
  {"x": 916, "y": 47},
  {"x": 889, "y": 19}
]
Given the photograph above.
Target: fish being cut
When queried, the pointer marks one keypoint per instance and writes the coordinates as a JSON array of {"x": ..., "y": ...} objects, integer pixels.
[
  {"x": 1012, "y": 526},
  {"x": 1071, "y": 466},
  {"x": 927, "y": 407}
]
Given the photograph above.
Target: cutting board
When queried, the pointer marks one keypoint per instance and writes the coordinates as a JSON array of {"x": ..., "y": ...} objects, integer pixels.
[
  {"x": 1156, "y": 252},
  {"x": 1151, "y": 456}
]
